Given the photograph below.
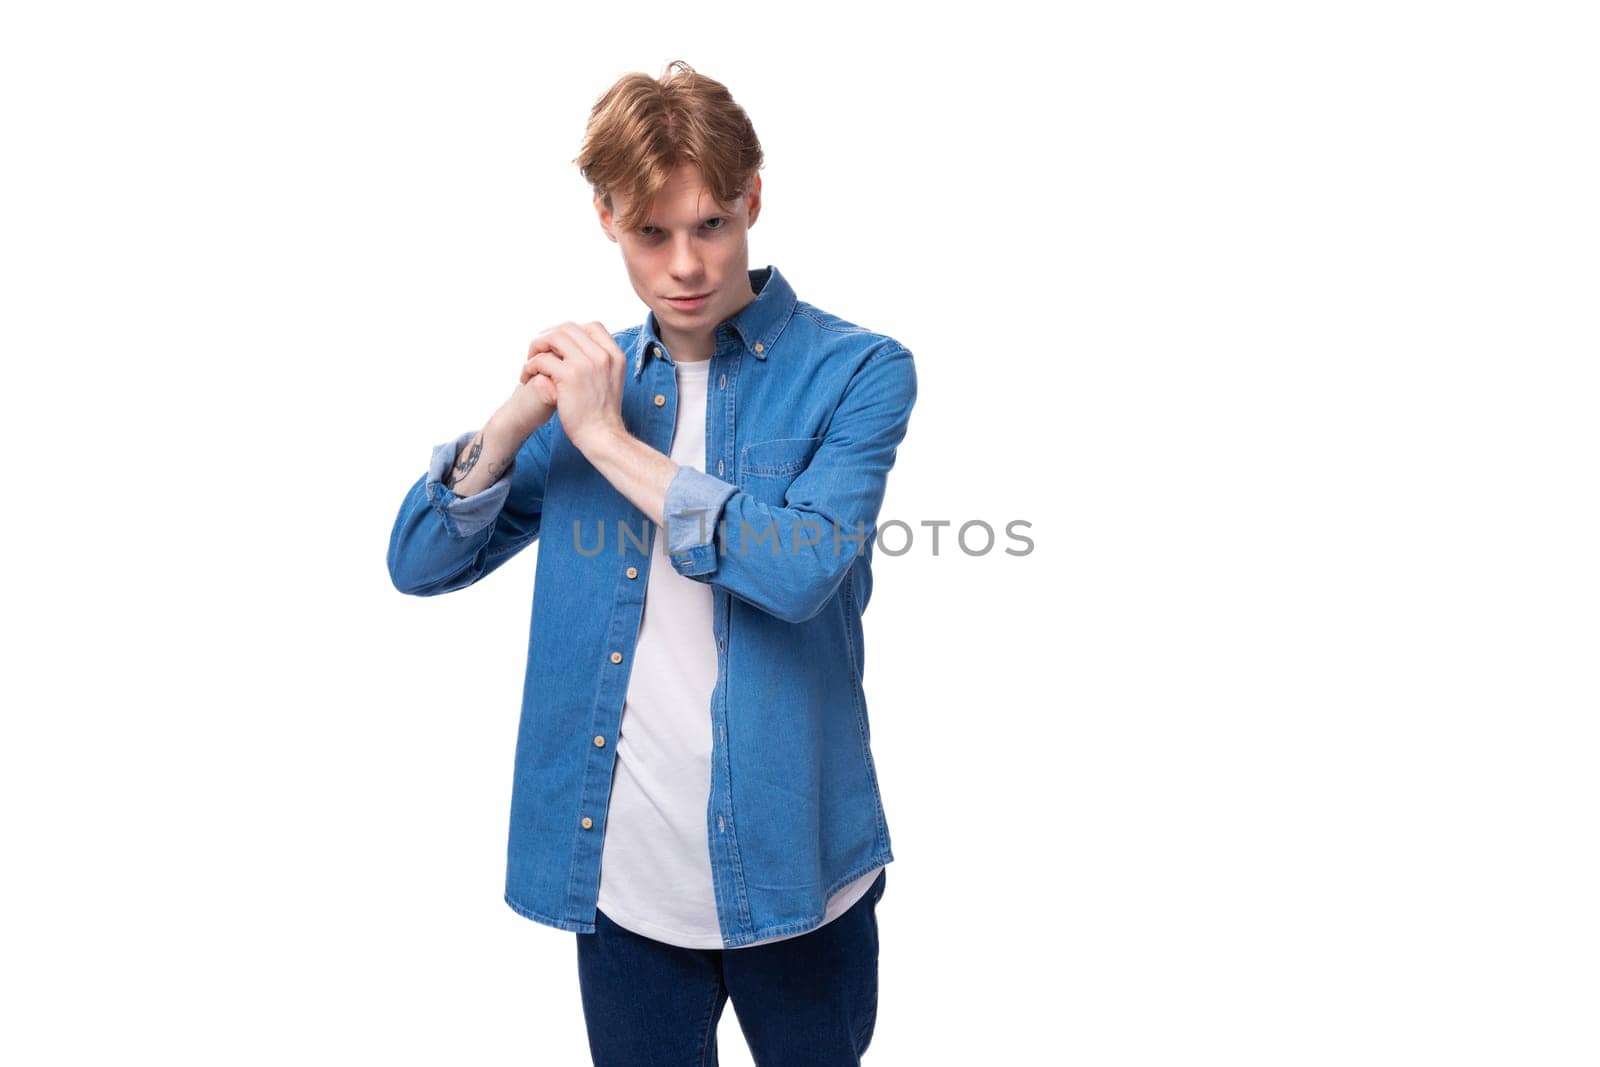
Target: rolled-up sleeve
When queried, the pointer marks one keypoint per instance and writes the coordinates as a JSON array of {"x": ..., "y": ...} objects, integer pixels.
[
  {"x": 831, "y": 504},
  {"x": 443, "y": 541},
  {"x": 693, "y": 507},
  {"x": 463, "y": 516}
]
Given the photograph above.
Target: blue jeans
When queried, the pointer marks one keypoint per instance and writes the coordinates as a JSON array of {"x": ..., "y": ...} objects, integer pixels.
[{"x": 810, "y": 1000}]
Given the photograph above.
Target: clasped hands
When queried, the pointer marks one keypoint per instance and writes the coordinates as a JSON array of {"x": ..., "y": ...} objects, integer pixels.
[{"x": 578, "y": 370}]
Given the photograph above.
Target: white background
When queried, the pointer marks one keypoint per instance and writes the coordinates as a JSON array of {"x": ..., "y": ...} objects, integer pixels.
[{"x": 1276, "y": 321}]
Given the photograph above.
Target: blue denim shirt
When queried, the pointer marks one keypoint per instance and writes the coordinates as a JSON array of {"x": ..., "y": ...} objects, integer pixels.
[{"x": 803, "y": 417}]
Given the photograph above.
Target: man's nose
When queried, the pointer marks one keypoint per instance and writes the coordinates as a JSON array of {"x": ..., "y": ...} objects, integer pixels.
[{"x": 685, "y": 258}]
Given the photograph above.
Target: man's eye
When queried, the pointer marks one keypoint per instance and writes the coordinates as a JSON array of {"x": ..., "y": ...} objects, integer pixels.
[{"x": 718, "y": 219}]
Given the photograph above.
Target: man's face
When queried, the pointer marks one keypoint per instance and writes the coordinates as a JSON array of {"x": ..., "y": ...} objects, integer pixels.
[{"x": 689, "y": 246}]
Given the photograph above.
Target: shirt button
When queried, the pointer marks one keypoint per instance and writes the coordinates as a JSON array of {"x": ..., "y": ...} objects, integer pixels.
[
  {"x": 660, "y": 400},
  {"x": 616, "y": 657},
  {"x": 719, "y": 466},
  {"x": 599, "y": 741},
  {"x": 633, "y": 572},
  {"x": 588, "y": 823},
  {"x": 722, "y": 382},
  {"x": 759, "y": 348}
]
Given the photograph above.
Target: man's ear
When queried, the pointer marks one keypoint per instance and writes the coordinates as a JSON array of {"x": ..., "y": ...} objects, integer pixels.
[
  {"x": 605, "y": 217},
  {"x": 753, "y": 199}
]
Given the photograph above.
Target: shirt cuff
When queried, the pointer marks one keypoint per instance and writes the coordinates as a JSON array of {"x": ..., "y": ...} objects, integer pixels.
[
  {"x": 692, "y": 509},
  {"x": 464, "y": 516}
]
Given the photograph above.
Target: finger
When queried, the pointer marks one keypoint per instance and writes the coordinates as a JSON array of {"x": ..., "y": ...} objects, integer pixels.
[
  {"x": 543, "y": 342},
  {"x": 616, "y": 358},
  {"x": 549, "y": 365},
  {"x": 601, "y": 335},
  {"x": 606, "y": 342},
  {"x": 528, "y": 367},
  {"x": 575, "y": 342},
  {"x": 555, "y": 342}
]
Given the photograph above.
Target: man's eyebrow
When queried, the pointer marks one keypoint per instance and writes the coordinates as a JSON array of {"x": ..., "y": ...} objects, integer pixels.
[{"x": 713, "y": 215}]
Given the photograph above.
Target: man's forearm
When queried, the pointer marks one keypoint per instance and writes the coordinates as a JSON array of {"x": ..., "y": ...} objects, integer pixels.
[
  {"x": 638, "y": 471},
  {"x": 482, "y": 460}
]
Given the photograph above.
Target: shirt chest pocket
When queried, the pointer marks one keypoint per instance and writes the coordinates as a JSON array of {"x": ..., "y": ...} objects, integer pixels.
[{"x": 767, "y": 467}]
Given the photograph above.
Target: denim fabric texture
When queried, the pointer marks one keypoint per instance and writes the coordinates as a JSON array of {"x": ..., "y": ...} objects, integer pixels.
[{"x": 804, "y": 415}]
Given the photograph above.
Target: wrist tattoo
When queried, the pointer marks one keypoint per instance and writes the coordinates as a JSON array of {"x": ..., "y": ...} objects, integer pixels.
[{"x": 466, "y": 462}]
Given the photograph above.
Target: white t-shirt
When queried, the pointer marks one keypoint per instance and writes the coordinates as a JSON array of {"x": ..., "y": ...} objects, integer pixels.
[{"x": 655, "y": 867}]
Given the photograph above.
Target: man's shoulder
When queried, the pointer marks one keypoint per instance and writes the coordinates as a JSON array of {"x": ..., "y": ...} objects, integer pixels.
[
  {"x": 828, "y": 321},
  {"x": 840, "y": 334}
]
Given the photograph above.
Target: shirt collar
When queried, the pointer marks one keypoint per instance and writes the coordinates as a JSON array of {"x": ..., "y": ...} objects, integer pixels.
[{"x": 757, "y": 324}]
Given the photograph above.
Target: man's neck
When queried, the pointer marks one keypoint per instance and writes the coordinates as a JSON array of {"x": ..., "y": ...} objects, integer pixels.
[{"x": 687, "y": 349}]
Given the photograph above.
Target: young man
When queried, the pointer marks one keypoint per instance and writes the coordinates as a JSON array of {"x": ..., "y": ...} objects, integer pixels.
[{"x": 694, "y": 792}]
